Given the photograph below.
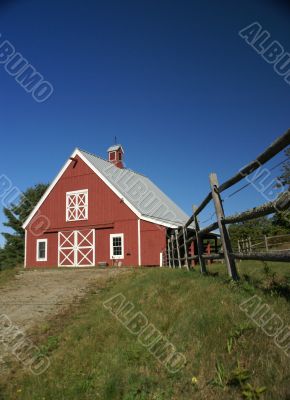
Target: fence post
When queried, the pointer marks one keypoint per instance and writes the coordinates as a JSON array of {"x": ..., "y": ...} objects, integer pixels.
[
  {"x": 227, "y": 247},
  {"x": 244, "y": 246},
  {"x": 250, "y": 244},
  {"x": 208, "y": 251},
  {"x": 192, "y": 262},
  {"x": 266, "y": 243},
  {"x": 168, "y": 251},
  {"x": 199, "y": 243},
  {"x": 185, "y": 248},
  {"x": 177, "y": 247},
  {"x": 172, "y": 249}
]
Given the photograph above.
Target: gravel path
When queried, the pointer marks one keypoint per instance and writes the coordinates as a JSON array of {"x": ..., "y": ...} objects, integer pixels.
[{"x": 34, "y": 295}]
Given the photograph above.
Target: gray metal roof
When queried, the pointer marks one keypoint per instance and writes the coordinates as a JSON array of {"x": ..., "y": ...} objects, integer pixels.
[{"x": 139, "y": 191}]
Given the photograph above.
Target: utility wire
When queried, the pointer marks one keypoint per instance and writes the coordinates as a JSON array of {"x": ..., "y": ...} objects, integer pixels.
[
  {"x": 240, "y": 189},
  {"x": 249, "y": 183},
  {"x": 209, "y": 219}
]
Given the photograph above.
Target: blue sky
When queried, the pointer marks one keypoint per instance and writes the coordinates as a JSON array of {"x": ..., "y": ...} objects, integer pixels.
[{"x": 173, "y": 80}]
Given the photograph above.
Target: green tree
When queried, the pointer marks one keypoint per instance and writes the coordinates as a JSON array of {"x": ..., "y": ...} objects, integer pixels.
[
  {"x": 254, "y": 229},
  {"x": 12, "y": 253},
  {"x": 282, "y": 219},
  {"x": 285, "y": 176},
  {"x": 1, "y": 256}
]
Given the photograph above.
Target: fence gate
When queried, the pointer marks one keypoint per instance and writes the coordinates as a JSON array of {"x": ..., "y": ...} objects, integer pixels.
[{"x": 76, "y": 248}]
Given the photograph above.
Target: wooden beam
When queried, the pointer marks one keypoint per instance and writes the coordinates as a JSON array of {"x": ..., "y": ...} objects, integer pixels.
[
  {"x": 172, "y": 248},
  {"x": 283, "y": 256},
  {"x": 109, "y": 225},
  {"x": 281, "y": 143},
  {"x": 281, "y": 204},
  {"x": 177, "y": 247},
  {"x": 199, "y": 243},
  {"x": 209, "y": 228},
  {"x": 75, "y": 160},
  {"x": 213, "y": 256},
  {"x": 266, "y": 243},
  {"x": 226, "y": 243},
  {"x": 168, "y": 252},
  {"x": 185, "y": 247},
  {"x": 193, "y": 258},
  {"x": 199, "y": 209}
]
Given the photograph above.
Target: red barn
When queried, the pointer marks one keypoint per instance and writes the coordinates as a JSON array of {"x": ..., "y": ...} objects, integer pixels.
[{"x": 98, "y": 212}]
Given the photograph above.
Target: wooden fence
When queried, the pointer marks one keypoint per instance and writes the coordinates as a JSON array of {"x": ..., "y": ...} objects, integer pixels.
[
  {"x": 180, "y": 241},
  {"x": 265, "y": 243}
]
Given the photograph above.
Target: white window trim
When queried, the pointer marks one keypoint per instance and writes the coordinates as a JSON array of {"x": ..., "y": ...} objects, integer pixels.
[
  {"x": 37, "y": 248},
  {"x": 76, "y": 192},
  {"x": 112, "y": 236},
  {"x": 112, "y": 159}
]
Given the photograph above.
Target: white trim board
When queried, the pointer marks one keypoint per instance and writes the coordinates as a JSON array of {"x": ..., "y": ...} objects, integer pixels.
[
  {"x": 25, "y": 248},
  {"x": 105, "y": 180},
  {"x": 121, "y": 256},
  {"x": 76, "y": 193},
  {"x": 37, "y": 248},
  {"x": 139, "y": 243}
]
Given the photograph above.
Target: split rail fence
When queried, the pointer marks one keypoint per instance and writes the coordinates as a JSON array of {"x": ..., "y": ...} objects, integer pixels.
[
  {"x": 266, "y": 243},
  {"x": 180, "y": 242}
]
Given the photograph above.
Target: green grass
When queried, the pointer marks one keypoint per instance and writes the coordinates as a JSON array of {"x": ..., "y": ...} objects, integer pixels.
[
  {"x": 93, "y": 356},
  {"x": 7, "y": 275},
  {"x": 256, "y": 269},
  {"x": 271, "y": 277}
]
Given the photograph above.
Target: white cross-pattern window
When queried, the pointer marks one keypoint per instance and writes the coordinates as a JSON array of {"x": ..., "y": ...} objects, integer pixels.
[
  {"x": 117, "y": 246},
  {"x": 77, "y": 205}
]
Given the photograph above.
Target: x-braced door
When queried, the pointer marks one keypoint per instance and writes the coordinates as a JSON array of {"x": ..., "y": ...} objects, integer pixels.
[{"x": 76, "y": 248}]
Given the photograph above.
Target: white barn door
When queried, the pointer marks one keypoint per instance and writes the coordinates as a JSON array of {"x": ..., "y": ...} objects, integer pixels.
[{"x": 76, "y": 248}]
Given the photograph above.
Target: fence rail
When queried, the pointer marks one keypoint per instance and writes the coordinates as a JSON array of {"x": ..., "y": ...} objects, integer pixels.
[
  {"x": 180, "y": 242},
  {"x": 265, "y": 244}
]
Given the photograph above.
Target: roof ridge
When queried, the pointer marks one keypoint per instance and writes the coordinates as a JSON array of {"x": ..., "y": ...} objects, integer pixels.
[
  {"x": 101, "y": 158},
  {"x": 92, "y": 154}
]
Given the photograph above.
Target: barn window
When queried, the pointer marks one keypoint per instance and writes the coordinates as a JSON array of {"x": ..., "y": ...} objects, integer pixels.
[
  {"x": 41, "y": 250},
  {"x": 113, "y": 156},
  {"x": 117, "y": 246},
  {"x": 77, "y": 205}
]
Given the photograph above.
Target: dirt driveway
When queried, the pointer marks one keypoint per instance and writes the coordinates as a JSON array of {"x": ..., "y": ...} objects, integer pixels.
[{"x": 37, "y": 294}]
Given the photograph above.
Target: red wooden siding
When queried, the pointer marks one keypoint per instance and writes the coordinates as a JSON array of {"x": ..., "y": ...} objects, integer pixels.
[
  {"x": 107, "y": 213},
  {"x": 153, "y": 241}
]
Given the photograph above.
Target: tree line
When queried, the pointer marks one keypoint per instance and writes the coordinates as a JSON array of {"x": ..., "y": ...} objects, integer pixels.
[{"x": 12, "y": 253}]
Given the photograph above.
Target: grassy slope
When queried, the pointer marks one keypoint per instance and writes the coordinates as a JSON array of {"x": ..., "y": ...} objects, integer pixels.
[
  {"x": 94, "y": 357},
  {"x": 7, "y": 275}
]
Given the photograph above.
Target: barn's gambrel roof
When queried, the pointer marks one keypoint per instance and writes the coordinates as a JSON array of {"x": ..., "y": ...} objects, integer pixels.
[{"x": 137, "y": 191}]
